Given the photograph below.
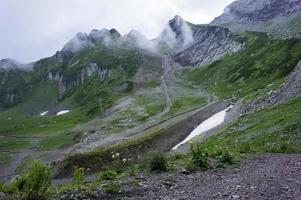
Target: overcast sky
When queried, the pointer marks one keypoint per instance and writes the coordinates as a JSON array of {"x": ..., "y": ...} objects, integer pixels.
[{"x": 33, "y": 29}]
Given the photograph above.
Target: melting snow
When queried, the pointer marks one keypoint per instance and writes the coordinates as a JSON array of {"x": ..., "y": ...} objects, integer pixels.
[
  {"x": 208, "y": 124},
  {"x": 62, "y": 112},
  {"x": 43, "y": 113}
]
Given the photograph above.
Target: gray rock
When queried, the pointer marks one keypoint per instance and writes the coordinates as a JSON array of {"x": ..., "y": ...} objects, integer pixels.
[{"x": 273, "y": 16}]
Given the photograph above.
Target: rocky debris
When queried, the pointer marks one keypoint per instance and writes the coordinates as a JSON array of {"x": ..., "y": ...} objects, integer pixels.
[
  {"x": 289, "y": 89},
  {"x": 210, "y": 43},
  {"x": 262, "y": 177},
  {"x": 272, "y": 16}
]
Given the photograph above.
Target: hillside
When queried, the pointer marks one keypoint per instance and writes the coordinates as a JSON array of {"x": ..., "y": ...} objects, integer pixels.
[{"x": 111, "y": 110}]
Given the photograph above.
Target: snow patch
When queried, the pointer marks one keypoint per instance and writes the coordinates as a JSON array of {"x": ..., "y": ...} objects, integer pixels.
[
  {"x": 44, "y": 113},
  {"x": 208, "y": 124},
  {"x": 62, "y": 112}
]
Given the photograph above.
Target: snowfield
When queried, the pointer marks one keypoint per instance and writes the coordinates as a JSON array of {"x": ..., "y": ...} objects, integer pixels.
[{"x": 208, "y": 124}]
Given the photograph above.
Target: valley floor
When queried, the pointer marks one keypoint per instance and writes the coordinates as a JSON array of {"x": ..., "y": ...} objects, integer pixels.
[{"x": 268, "y": 176}]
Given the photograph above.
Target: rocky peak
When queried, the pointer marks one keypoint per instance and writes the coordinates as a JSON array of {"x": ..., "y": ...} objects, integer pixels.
[
  {"x": 80, "y": 41},
  {"x": 261, "y": 15},
  {"x": 177, "y": 34},
  {"x": 115, "y": 33}
]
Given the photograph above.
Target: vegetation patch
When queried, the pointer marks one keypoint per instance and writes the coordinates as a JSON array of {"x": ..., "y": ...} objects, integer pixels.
[
  {"x": 263, "y": 61},
  {"x": 274, "y": 130}
]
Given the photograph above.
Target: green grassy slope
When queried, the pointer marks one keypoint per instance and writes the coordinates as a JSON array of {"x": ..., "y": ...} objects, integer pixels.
[
  {"x": 274, "y": 130},
  {"x": 262, "y": 62}
]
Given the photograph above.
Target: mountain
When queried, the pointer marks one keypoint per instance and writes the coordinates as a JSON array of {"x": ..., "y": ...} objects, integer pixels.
[
  {"x": 105, "y": 100},
  {"x": 8, "y": 63},
  {"x": 192, "y": 44},
  {"x": 278, "y": 17}
]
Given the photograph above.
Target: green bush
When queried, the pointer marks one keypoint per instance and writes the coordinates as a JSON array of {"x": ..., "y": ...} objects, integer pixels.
[
  {"x": 35, "y": 184},
  {"x": 113, "y": 188},
  {"x": 108, "y": 175},
  {"x": 199, "y": 158},
  {"x": 245, "y": 148},
  {"x": 3, "y": 187},
  {"x": 157, "y": 161},
  {"x": 78, "y": 177},
  {"x": 190, "y": 166},
  {"x": 226, "y": 158}
]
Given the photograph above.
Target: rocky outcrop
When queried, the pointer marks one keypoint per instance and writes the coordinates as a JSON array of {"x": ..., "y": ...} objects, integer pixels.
[
  {"x": 209, "y": 44},
  {"x": 65, "y": 83},
  {"x": 12, "y": 84},
  {"x": 280, "y": 18},
  {"x": 290, "y": 89},
  {"x": 191, "y": 44}
]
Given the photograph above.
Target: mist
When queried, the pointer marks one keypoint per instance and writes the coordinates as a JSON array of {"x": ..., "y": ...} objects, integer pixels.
[{"x": 34, "y": 29}]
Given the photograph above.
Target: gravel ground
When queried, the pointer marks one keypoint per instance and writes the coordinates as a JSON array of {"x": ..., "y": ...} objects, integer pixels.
[{"x": 276, "y": 176}]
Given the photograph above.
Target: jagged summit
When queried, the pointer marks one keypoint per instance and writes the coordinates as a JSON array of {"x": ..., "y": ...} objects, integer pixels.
[
  {"x": 177, "y": 34},
  {"x": 275, "y": 16}
]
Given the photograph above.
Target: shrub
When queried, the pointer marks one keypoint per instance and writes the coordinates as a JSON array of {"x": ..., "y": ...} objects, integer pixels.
[
  {"x": 34, "y": 185},
  {"x": 157, "y": 162},
  {"x": 108, "y": 175},
  {"x": 190, "y": 166},
  {"x": 198, "y": 157},
  {"x": 113, "y": 188},
  {"x": 78, "y": 177},
  {"x": 226, "y": 158},
  {"x": 245, "y": 148}
]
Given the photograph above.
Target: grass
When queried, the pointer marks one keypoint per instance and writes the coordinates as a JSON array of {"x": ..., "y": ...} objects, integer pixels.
[
  {"x": 5, "y": 159},
  {"x": 153, "y": 103},
  {"x": 58, "y": 141},
  {"x": 182, "y": 103},
  {"x": 274, "y": 130},
  {"x": 263, "y": 61},
  {"x": 13, "y": 144}
]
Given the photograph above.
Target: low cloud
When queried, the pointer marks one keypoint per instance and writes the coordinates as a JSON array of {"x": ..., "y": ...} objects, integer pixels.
[{"x": 33, "y": 29}]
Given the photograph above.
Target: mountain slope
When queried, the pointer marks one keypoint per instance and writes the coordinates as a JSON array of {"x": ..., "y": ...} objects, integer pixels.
[
  {"x": 280, "y": 18},
  {"x": 263, "y": 62},
  {"x": 191, "y": 44}
]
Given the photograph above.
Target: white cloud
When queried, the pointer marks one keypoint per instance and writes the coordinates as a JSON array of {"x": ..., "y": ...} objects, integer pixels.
[{"x": 32, "y": 29}]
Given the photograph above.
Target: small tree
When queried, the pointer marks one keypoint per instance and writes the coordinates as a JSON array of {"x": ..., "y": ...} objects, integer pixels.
[{"x": 34, "y": 185}]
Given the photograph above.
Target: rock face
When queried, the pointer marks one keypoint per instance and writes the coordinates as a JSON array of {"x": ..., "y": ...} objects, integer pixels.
[
  {"x": 209, "y": 44},
  {"x": 290, "y": 89},
  {"x": 279, "y": 17},
  {"x": 65, "y": 83},
  {"x": 196, "y": 44},
  {"x": 12, "y": 81}
]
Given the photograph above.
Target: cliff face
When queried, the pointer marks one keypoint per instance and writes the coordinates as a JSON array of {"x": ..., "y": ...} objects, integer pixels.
[
  {"x": 197, "y": 44},
  {"x": 209, "y": 44},
  {"x": 66, "y": 83},
  {"x": 281, "y": 18}
]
